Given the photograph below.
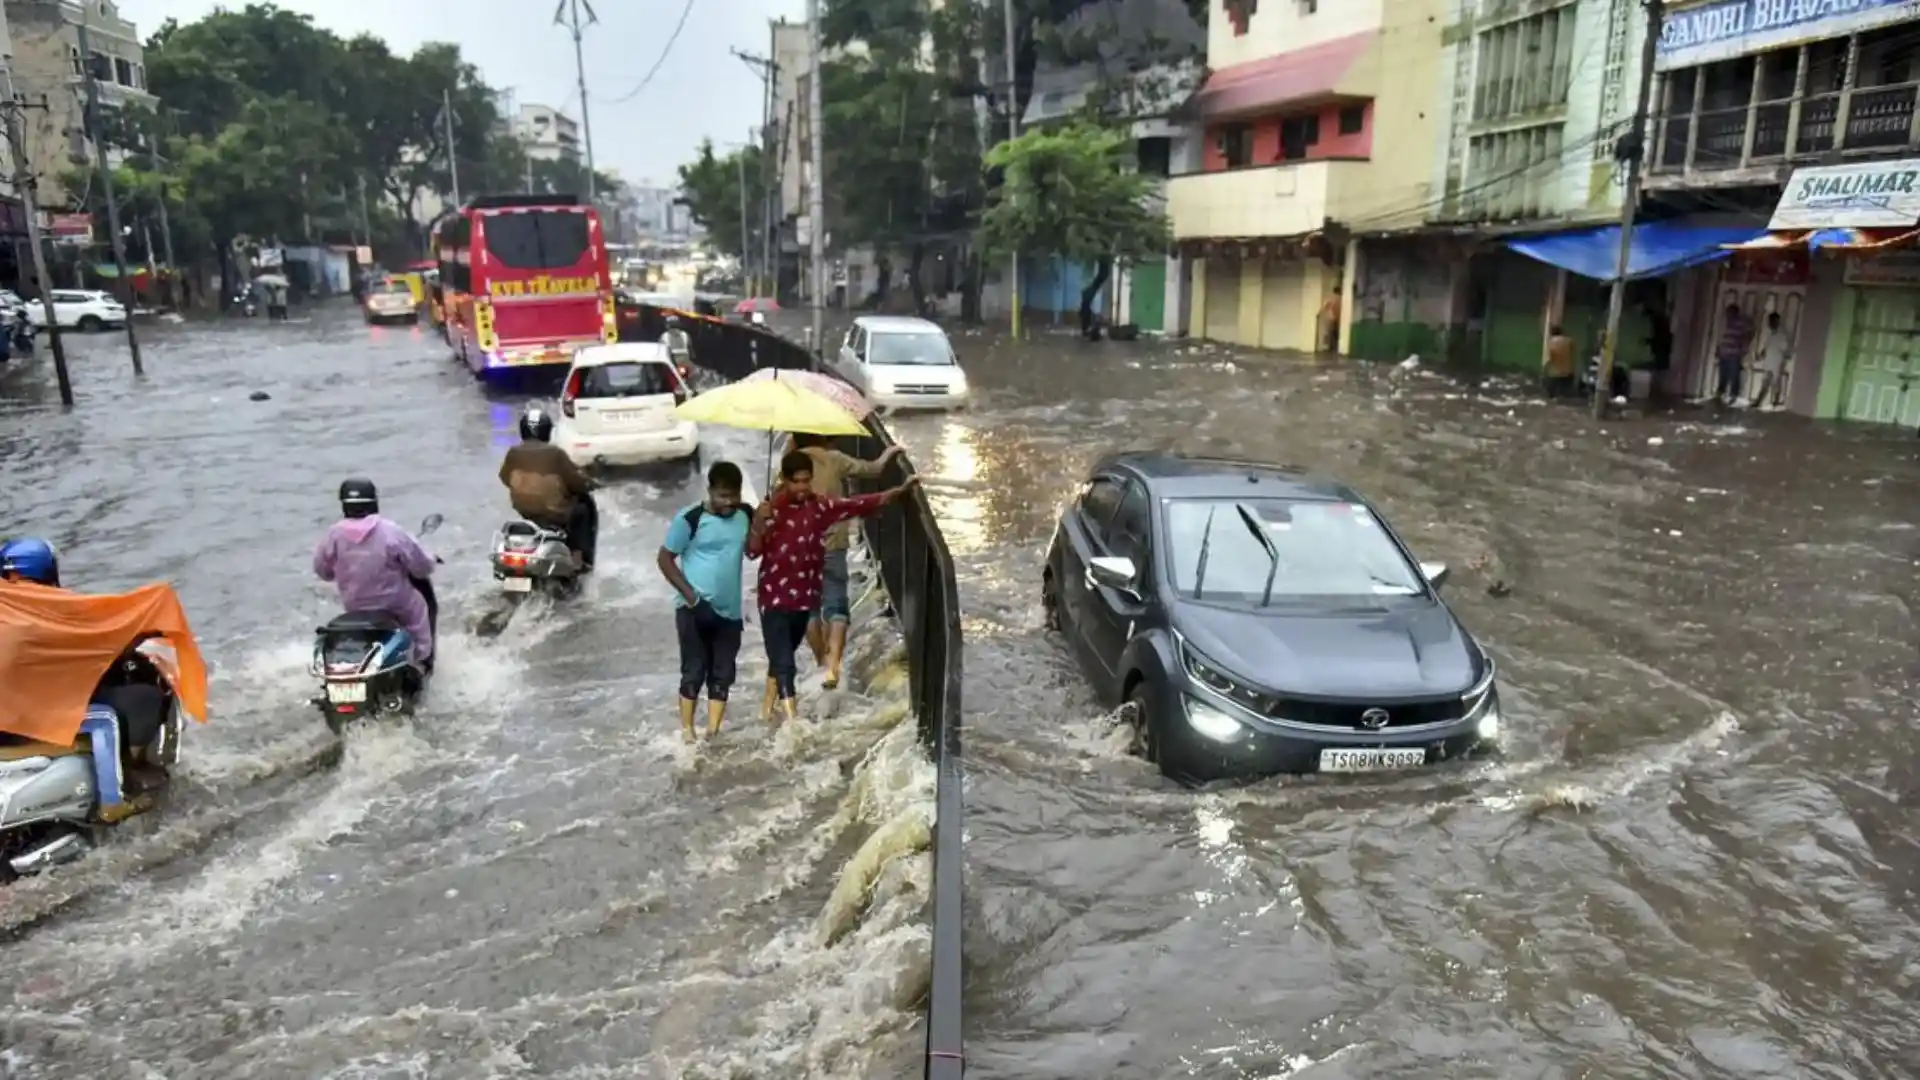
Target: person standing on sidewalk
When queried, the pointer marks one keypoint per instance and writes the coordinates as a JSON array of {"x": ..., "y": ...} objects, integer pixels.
[
  {"x": 1736, "y": 336},
  {"x": 701, "y": 559},
  {"x": 789, "y": 535},
  {"x": 827, "y": 633},
  {"x": 1771, "y": 351}
]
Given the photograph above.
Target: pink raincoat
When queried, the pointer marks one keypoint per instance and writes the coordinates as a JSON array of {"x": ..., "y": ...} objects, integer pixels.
[{"x": 372, "y": 559}]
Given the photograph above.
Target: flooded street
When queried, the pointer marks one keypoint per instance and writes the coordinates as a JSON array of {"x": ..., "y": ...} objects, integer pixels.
[
  {"x": 532, "y": 877},
  {"x": 1696, "y": 857}
]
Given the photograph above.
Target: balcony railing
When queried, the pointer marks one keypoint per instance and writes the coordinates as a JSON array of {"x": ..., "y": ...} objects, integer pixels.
[
  {"x": 1801, "y": 107},
  {"x": 1289, "y": 199}
]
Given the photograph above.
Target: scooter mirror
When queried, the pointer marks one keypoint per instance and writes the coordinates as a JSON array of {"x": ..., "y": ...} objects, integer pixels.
[{"x": 432, "y": 522}]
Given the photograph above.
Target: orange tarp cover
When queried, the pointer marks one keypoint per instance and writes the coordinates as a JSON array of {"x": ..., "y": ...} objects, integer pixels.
[{"x": 55, "y": 646}]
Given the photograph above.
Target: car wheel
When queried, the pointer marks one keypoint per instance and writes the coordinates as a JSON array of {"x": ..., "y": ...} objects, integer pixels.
[
  {"x": 90, "y": 324},
  {"x": 1142, "y": 741},
  {"x": 1050, "y": 602}
]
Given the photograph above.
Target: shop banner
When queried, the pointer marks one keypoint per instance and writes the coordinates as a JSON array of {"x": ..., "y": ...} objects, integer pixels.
[
  {"x": 1729, "y": 28},
  {"x": 1869, "y": 195},
  {"x": 1901, "y": 268}
]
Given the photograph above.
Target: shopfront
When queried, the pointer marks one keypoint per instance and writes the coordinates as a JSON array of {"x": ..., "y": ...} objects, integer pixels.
[{"x": 1864, "y": 217}]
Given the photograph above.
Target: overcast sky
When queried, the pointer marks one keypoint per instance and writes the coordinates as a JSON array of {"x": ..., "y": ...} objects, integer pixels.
[{"x": 699, "y": 91}]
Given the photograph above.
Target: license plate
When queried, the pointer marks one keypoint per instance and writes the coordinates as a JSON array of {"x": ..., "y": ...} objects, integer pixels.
[
  {"x": 346, "y": 693},
  {"x": 517, "y": 584},
  {"x": 1371, "y": 760}
]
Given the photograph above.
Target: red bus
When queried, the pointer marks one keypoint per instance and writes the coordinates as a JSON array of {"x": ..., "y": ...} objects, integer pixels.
[{"x": 524, "y": 281}]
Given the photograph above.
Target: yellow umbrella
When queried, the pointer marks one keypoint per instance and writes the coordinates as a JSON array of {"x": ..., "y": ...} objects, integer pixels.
[{"x": 771, "y": 405}]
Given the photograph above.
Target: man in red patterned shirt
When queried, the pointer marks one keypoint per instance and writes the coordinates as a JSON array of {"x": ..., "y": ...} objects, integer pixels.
[{"x": 789, "y": 537}]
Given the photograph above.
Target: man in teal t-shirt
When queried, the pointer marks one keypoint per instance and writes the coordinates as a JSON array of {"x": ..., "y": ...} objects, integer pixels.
[{"x": 701, "y": 559}]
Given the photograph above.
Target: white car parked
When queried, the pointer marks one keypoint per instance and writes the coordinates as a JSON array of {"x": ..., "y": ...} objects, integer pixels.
[
  {"x": 617, "y": 408},
  {"x": 79, "y": 309},
  {"x": 901, "y": 362}
]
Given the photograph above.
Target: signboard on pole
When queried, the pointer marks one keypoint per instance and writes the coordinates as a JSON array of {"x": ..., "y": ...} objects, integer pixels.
[{"x": 69, "y": 228}]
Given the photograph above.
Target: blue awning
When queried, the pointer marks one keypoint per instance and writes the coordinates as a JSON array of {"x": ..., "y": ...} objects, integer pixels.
[{"x": 1659, "y": 248}]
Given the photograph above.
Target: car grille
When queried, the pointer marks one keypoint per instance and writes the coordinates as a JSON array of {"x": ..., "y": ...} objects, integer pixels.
[
  {"x": 920, "y": 388},
  {"x": 1340, "y": 714}
]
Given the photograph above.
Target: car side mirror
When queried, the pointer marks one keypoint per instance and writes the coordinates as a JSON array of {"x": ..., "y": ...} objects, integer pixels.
[
  {"x": 1436, "y": 573},
  {"x": 1113, "y": 572}
]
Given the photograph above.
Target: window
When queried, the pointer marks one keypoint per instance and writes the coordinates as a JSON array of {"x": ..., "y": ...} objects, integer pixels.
[
  {"x": 625, "y": 380},
  {"x": 1239, "y": 14},
  {"x": 73, "y": 57},
  {"x": 917, "y": 349},
  {"x": 537, "y": 239},
  {"x": 1128, "y": 534},
  {"x": 1327, "y": 552},
  {"x": 100, "y": 67},
  {"x": 1353, "y": 119},
  {"x": 122, "y": 72},
  {"x": 1099, "y": 503},
  {"x": 1155, "y": 155},
  {"x": 1297, "y": 134},
  {"x": 455, "y": 234},
  {"x": 1236, "y": 145}
]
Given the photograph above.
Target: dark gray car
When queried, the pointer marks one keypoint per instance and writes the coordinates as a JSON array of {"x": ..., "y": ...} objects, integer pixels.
[{"x": 1251, "y": 619}]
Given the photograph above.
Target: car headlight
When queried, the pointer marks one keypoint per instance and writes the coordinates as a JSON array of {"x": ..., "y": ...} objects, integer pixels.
[
  {"x": 1482, "y": 706},
  {"x": 1212, "y": 723},
  {"x": 1209, "y": 675}
]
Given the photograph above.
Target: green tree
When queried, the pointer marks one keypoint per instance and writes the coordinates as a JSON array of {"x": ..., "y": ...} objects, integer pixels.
[
  {"x": 710, "y": 185},
  {"x": 1073, "y": 192}
]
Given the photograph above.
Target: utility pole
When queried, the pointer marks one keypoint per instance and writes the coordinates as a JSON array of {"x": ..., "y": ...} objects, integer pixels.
[
  {"x": 1012, "y": 98},
  {"x": 816, "y": 194},
  {"x": 529, "y": 163},
  {"x": 568, "y": 15},
  {"x": 1632, "y": 147},
  {"x": 453, "y": 155},
  {"x": 91, "y": 121},
  {"x": 366, "y": 219},
  {"x": 764, "y": 67},
  {"x": 174, "y": 295},
  {"x": 28, "y": 186},
  {"x": 746, "y": 250}
]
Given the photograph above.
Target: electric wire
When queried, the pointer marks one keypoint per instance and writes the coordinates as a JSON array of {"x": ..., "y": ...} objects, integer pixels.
[{"x": 665, "y": 52}]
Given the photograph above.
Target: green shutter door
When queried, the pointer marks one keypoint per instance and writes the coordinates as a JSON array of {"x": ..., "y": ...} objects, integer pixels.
[
  {"x": 1883, "y": 359},
  {"x": 1149, "y": 295}
]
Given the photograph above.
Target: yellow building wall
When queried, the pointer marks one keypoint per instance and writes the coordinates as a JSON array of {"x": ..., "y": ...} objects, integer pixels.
[
  {"x": 1284, "y": 25},
  {"x": 1394, "y": 188}
]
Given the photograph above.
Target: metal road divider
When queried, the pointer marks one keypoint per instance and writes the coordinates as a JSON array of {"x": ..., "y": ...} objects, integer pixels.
[{"x": 920, "y": 579}]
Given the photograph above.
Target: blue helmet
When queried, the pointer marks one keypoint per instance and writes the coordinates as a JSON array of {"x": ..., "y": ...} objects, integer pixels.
[{"x": 30, "y": 559}]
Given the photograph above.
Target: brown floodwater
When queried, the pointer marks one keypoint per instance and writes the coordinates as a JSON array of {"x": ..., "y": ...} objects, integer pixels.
[{"x": 1695, "y": 858}]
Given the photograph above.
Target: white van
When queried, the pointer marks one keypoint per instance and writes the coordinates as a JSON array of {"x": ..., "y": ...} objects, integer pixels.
[{"x": 617, "y": 407}]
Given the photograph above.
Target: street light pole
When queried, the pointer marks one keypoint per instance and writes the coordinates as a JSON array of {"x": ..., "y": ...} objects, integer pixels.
[
  {"x": 816, "y": 191},
  {"x": 746, "y": 264},
  {"x": 1633, "y": 147},
  {"x": 92, "y": 124},
  {"x": 1012, "y": 99},
  {"x": 572, "y": 23}
]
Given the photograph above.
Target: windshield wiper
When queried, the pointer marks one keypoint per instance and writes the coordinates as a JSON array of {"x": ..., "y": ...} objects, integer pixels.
[
  {"x": 1206, "y": 543},
  {"x": 1252, "y": 521}
]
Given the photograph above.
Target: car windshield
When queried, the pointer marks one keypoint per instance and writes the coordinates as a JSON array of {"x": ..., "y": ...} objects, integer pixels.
[
  {"x": 919, "y": 348},
  {"x": 625, "y": 379},
  {"x": 1328, "y": 552},
  {"x": 394, "y": 288}
]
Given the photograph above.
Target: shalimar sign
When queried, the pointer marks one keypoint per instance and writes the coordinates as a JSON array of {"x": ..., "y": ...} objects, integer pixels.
[
  {"x": 1870, "y": 195},
  {"x": 545, "y": 285},
  {"x": 1702, "y": 33}
]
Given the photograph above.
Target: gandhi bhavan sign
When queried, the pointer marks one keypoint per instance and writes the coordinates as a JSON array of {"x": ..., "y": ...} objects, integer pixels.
[
  {"x": 1870, "y": 195},
  {"x": 1726, "y": 28}
]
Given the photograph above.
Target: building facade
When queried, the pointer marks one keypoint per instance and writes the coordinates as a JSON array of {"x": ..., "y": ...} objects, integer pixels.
[
  {"x": 547, "y": 133},
  {"x": 1319, "y": 124},
  {"x": 1802, "y": 116},
  {"x": 48, "y": 62}
]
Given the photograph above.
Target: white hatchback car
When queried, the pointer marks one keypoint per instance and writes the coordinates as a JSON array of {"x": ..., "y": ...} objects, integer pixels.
[
  {"x": 79, "y": 309},
  {"x": 618, "y": 404},
  {"x": 901, "y": 362}
]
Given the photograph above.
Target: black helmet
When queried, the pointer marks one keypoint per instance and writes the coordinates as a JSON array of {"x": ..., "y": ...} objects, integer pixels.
[
  {"x": 536, "y": 424},
  {"x": 358, "y": 497},
  {"x": 673, "y": 322}
]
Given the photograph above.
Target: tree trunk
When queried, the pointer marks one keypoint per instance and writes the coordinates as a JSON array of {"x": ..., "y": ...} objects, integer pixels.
[
  {"x": 970, "y": 290},
  {"x": 919, "y": 254},
  {"x": 1089, "y": 329}
]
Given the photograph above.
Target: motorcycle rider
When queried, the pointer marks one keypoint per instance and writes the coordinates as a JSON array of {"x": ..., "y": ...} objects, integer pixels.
[
  {"x": 679, "y": 345},
  {"x": 549, "y": 490},
  {"x": 133, "y": 688},
  {"x": 379, "y": 567}
]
